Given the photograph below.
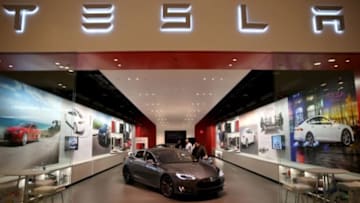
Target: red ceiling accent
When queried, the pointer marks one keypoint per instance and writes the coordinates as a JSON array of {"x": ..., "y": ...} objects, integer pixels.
[{"x": 179, "y": 60}]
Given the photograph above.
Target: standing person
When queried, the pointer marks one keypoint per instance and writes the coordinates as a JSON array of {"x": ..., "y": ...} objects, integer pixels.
[
  {"x": 188, "y": 146},
  {"x": 199, "y": 152}
]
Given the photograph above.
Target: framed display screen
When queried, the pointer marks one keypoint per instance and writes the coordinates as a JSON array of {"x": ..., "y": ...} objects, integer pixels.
[
  {"x": 71, "y": 143},
  {"x": 278, "y": 142},
  {"x": 174, "y": 136}
]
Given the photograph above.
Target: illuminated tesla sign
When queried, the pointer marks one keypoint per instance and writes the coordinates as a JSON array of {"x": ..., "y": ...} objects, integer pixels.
[
  {"x": 97, "y": 18},
  {"x": 248, "y": 27},
  {"x": 20, "y": 12},
  {"x": 328, "y": 15},
  {"x": 176, "y": 18}
]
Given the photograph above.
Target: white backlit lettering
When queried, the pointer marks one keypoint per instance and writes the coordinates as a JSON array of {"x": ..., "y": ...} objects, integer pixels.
[
  {"x": 328, "y": 15},
  {"x": 249, "y": 27},
  {"x": 176, "y": 18},
  {"x": 97, "y": 18},
  {"x": 20, "y": 12}
]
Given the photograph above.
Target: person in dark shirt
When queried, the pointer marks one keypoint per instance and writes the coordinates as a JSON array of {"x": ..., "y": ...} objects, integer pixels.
[{"x": 199, "y": 152}]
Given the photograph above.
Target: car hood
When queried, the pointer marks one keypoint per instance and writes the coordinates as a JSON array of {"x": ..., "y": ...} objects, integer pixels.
[
  {"x": 197, "y": 169},
  {"x": 14, "y": 128}
]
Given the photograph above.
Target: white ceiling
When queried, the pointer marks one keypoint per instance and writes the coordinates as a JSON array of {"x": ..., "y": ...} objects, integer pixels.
[{"x": 175, "y": 99}]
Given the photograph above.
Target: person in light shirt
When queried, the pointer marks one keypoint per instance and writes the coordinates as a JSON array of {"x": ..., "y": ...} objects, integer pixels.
[{"x": 188, "y": 146}]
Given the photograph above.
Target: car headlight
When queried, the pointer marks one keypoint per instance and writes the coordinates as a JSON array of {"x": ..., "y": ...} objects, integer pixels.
[
  {"x": 184, "y": 176},
  {"x": 221, "y": 173}
]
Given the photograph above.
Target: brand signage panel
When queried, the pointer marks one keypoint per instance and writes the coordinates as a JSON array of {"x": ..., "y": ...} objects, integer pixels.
[{"x": 182, "y": 25}]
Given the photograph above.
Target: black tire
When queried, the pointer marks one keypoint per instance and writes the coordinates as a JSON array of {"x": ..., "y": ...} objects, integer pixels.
[
  {"x": 24, "y": 139},
  {"x": 166, "y": 186},
  {"x": 346, "y": 137},
  {"x": 127, "y": 176},
  {"x": 310, "y": 138}
]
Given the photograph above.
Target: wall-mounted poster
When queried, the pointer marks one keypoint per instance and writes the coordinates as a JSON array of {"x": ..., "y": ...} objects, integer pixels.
[
  {"x": 101, "y": 129},
  {"x": 30, "y": 124},
  {"x": 249, "y": 139},
  {"x": 273, "y": 120},
  {"x": 324, "y": 123}
]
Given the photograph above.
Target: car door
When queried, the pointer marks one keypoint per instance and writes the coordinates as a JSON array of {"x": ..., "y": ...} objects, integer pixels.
[
  {"x": 315, "y": 127},
  {"x": 151, "y": 171},
  {"x": 328, "y": 130},
  {"x": 137, "y": 165}
]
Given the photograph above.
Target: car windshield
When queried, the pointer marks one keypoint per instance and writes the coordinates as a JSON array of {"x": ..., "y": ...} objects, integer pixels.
[{"x": 174, "y": 156}]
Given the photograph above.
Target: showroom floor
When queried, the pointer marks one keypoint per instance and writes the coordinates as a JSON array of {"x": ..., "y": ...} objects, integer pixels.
[{"x": 108, "y": 187}]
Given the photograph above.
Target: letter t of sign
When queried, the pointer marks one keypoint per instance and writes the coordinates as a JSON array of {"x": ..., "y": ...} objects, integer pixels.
[{"x": 20, "y": 12}]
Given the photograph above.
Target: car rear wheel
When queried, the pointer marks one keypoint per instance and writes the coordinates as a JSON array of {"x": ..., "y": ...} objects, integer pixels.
[
  {"x": 166, "y": 186},
  {"x": 346, "y": 137},
  {"x": 309, "y": 138},
  {"x": 24, "y": 139},
  {"x": 127, "y": 176}
]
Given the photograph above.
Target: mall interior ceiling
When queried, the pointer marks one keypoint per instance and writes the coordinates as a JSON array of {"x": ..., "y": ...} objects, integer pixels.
[{"x": 258, "y": 88}]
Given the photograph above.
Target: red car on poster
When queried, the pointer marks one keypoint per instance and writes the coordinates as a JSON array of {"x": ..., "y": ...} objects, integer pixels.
[{"x": 22, "y": 134}]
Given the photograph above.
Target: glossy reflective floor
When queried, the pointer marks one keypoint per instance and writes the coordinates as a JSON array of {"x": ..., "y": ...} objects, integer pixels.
[{"x": 108, "y": 187}]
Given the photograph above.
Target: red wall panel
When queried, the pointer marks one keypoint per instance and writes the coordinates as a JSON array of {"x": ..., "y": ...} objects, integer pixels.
[
  {"x": 146, "y": 129},
  {"x": 205, "y": 134}
]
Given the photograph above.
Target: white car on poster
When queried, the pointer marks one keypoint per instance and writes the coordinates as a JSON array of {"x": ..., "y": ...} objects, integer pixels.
[
  {"x": 322, "y": 129},
  {"x": 75, "y": 120},
  {"x": 247, "y": 136}
]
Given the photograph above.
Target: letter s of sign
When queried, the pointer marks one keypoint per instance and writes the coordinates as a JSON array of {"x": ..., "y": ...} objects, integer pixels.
[
  {"x": 20, "y": 12},
  {"x": 176, "y": 18}
]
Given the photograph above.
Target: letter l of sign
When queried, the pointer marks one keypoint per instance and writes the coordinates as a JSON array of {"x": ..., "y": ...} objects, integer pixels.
[
  {"x": 248, "y": 27},
  {"x": 20, "y": 12}
]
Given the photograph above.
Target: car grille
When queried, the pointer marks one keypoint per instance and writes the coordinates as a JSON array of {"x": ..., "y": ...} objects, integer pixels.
[
  {"x": 7, "y": 136},
  {"x": 209, "y": 182}
]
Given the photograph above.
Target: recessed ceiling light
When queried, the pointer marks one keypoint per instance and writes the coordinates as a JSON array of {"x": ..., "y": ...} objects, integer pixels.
[
  {"x": 234, "y": 59},
  {"x": 323, "y": 84},
  {"x": 61, "y": 67},
  {"x": 331, "y": 60},
  {"x": 204, "y": 78},
  {"x": 59, "y": 84},
  {"x": 212, "y": 78},
  {"x": 347, "y": 60},
  {"x": 230, "y": 65},
  {"x": 341, "y": 82},
  {"x": 115, "y": 59},
  {"x": 340, "y": 88},
  {"x": 57, "y": 63},
  {"x": 66, "y": 67},
  {"x": 197, "y": 94},
  {"x": 336, "y": 66},
  {"x": 64, "y": 86},
  {"x": 317, "y": 63},
  {"x": 129, "y": 78},
  {"x": 70, "y": 70},
  {"x": 119, "y": 65},
  {"x": 221, "y": 78},
  {"x": 11, "y": 66},
  {"x": 137, "y": 78}
]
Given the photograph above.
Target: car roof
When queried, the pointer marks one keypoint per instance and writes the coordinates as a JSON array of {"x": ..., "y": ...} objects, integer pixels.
[{"x": 158, "y": 150}]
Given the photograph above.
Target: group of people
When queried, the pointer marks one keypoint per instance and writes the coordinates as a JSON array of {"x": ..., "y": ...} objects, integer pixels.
[{"x": 197, "y": 150}]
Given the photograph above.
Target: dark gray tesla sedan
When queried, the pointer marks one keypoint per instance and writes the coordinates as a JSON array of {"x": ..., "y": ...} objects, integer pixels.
[{"x": 173, "y": 172}]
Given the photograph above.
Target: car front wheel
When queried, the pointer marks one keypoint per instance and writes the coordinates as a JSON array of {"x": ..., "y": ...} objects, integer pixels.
[
  {"x": 309, "y": 138},
  {"x": 346, "y": 137},
  {"x": 24, "y": 139},
  {"x": 166, "y": 186}
]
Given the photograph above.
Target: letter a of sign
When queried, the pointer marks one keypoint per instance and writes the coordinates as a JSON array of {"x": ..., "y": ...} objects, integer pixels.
[
  {"x": 328, "y": 15},
  {"x": 176, "y": 18},
  {"x": 97, "y": 18},
  {"x": 248, "y": 27},
  {"x": 20, "y": 12}
]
